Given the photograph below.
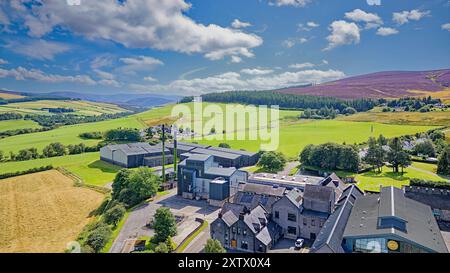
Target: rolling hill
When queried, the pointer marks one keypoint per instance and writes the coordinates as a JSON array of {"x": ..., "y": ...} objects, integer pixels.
[{"x": 392, "y": 84}]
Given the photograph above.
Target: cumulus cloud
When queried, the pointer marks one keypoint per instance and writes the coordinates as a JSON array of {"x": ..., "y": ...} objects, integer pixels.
[
  {"x": 404, "y": 17},
  {"x": 291, "y": 42},
  {"x": 238, "y": 24},
  {"x": 234, "y": 81},
  {"x": 386, "y": 31},
  {"x": 301, "y": 65},
  {"x": 150, "y": 79},
  {"x": 21, "y": 73},
  {"x": 343, "y": 33},
  {"x": 372, "y": 20},
  {"x": 3, "y": 61},
  {"x": 446, "y": 26},
  {"x": 256, "y": 71},
  {"x": 102, "y": 61},
  {"x": 308, "y": 26},
  {"x": 140, "y": 63},
  {"x": 37, "y": 48},
  {"x": 295, "y": 3},
  {"x": 157, "y": 25},
  {"x": 104, "y": 75},
  {"x": 374, "y": 2}
]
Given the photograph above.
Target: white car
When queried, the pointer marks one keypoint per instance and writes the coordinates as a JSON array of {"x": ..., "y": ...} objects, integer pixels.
[{"x": 299, "y": 243}]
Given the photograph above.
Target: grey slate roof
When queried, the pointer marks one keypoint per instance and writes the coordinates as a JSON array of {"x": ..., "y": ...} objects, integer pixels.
[
  {"x": 319, "y": 193},
  {"x": 198, "y": 157},
  {"x": 332, "y": 232},
  {"x": 226, "y": 172},
  {"x": 231, "y": 151},
  {"x": 263, "y": 189},
  {"x": 334, "y": 182},
  {"x": 435, "y": 198},
  {"x": 137, "y": 148},
  {"x": 295, "y": 196},
  {"x": 215, "y": 153},
  {"x": 421, "y": 226}
]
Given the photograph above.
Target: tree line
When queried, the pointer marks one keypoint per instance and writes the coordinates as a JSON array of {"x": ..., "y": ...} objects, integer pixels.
[
  {"x": 331, "y": 156},
  {"x": 287, "y": 101}
]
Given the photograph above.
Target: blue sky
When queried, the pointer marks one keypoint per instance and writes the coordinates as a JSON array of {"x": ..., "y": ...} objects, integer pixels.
[{"x": 182, "y": 47}]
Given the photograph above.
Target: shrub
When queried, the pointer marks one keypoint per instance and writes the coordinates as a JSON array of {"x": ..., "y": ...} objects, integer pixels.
[
  {"x": 430, "y": 184},
  {"x": 98, "y": 237},
  {"x": 272, "y": 161},
  {"x": 113, "y": 215},
  {"x": 224, "y": 145},
  {"x": 54, "y": 149},
  {"x": 214, "y": 246},
  {"x": 91, "y": 135},
  {"x": 34, "y": 170}
]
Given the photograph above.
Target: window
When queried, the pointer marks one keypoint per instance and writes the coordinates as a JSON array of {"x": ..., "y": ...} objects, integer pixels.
[
  {"x": 372, "y": 245},
  {"x": 244, "y": 232},
  {"x": 313, "y": 222},
  {"x": 233, "y": 230},
  {"x": 305, "y": 221},
  {"x": 292, "y": 230},
  {"x": 239, "y": 231},
  {"x": 277, "y": 214},
  {"x": 292, "y": 217},
  {"x": 244, "y": 245}
]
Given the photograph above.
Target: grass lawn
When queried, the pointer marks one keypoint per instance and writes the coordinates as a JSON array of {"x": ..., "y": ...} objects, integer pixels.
[
  {"x": 43, "y": 212},
  {"x": 372, "y": 181},
  {"x": 6, "y": 125},
  {"x": 425, "y": 166},
  {"x": 87, "y": 166},
  {"x": 295, "y": 136}
]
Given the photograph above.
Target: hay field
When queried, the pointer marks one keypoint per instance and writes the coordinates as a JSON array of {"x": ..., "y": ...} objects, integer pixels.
[{"x": 42, "y": 212}]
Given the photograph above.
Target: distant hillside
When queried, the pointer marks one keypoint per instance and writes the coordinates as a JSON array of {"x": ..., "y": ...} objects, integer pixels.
[
  {"x": 393, "y": 84},
  {"x": 131, "y": 100}
]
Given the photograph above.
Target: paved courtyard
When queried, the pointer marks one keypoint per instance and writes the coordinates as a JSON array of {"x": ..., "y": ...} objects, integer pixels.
[{"x": 135, "y": 225}]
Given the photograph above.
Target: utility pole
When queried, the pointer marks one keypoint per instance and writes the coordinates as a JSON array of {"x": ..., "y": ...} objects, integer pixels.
[
  {"x": 175, "y": 142},
  {"x": 163, "y": 153}
]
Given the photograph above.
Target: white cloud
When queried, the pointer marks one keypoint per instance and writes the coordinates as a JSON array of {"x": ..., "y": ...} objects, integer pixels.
[
  {"x": 238, "y": 24},
  {"x": 312, "y": 24},
  {"x": 295, "y": 3},
  {"x": 233, "y": 81},
  {"x": 102, "y": 61},
  {"x": 21, "y": 74},
  {"x": 235, "y": 59},
  {"x": 256, "y": 71},
  {"x": 141, "y": 63},
  {"x": 374, "y": 2},
  {"x": 404, "y": 17},
  {"x": 291, "y": 42},
  {"x": 446, "y": 26},
  {"x": 150, "y": 79},
  {"x": 372, "y": 20},
  {"x": 3, "y": 61},
  {"x": 343, "y": 33},
  {"x": 37, "y": 48},
  {"x": 154, "y": 24},
  {"x": 302, "y": 65},
  {"x": 386, "y": 31},
  {"x": 104, "y": 75}
]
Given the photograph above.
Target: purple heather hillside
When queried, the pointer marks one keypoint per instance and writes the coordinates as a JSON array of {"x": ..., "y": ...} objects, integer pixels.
[{"x": 392, "y": 84}]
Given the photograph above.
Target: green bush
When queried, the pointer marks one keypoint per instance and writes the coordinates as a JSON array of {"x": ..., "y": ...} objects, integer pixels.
[
  {"x": 34, "y": 170},
  {"x": 430, "y": 184}
]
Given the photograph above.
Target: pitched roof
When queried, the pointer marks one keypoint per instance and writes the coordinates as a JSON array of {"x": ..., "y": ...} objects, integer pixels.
[
  {"x": 295, "y": 196},
  {"x": 215, "y": 153},
  {"x": 198, "y": 157},
  {"x": 238, "y": 152},
  {"x": 137, "y": 148},
  {"x": 334, "y": 182},
  {"x": 263, "y": 189},
  {"x": 332, "y": 231},
  {"x": 218, "y": 171},
  {"x": 318, "y": 193},
  {"x": 404, "y": 217}
]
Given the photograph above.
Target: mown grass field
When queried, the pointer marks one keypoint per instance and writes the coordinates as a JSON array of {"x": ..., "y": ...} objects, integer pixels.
[
  {"x": 295, "y": 136},
  {"x": 436, "y": 118},
  {"x": 372, "y": 181},
  {"x": 87, "y": 166},
  {"x": 6, "y": 125},
  {"x": 84, "y": 108},
  {"x": 43, "y": 212},
  {"x": 8, "y": 96}
]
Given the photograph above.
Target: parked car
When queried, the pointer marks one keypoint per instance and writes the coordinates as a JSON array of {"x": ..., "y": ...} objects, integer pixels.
[{"x": 299, "y": 243}]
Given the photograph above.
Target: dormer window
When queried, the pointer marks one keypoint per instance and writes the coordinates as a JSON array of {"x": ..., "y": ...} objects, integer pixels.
[{"x": 392, "y": 222}]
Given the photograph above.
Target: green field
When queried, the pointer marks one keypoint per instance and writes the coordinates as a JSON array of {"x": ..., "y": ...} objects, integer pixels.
[
  {"x": 87, "y": 166},
  {"x": 84, "y": 108},
  {"x": 295, "y": 136},
  {"x": 6, "y": 125},
  {"x": 372, "y": 181}
]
